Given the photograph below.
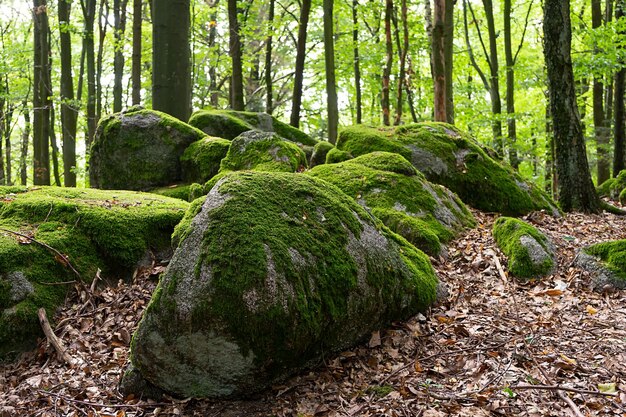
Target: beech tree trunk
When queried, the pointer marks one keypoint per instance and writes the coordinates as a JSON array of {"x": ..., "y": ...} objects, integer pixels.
[
  {"x": 576, "y": 189},
  {"x": 599, "y": 118},
  {"x": 510, "y": 87},
  {"x": 329, "y": 60},
  {"x": 385, "y": 103},
  {"x": 89, "y": 14},
  {"x": 136, "y": 57},
  {"x": 494, "y": 82},
  {"x": 236, "y": 87},
  {"x": 403, "y": 54},
  {"x": 41, "y": 95},
  {"x": 296, "y": 102},
  {"x": 25, "y": 141},
  {"x": 171, "y": 67},
  {"x": 357, "y": 63},
  {"x": 438, "y": 62},
  {"x": 269, "y": 94},
  {"x": 619, "y": 152}
]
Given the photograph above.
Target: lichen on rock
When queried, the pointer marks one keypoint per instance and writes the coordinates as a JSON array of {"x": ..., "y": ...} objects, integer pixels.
[
  {"x": 272, "y": 272},
  {"x": 530, "y": 253}
]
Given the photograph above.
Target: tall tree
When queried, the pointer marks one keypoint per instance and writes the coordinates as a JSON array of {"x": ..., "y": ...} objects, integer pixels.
[
  {"x": 136, "y": 57},
  {"x": 619, "y": 154},
  {"x": 41, "y": 94},
  {"x": 236, "y": 90},
  {"x": 331, "y": 83},
  {"x": 404, "y": 50},
  {"x": 441, "y": 60},
  {"x": 296, "y": 102},
  {"x": 119, "y": 16},
  {"x": 384, "y": 99},
  {"x": 576, "y": 189},
  {"x": 269, "y": 94},
  {"x": 599, "y": 118},
  {"x": 69, "y": 112},
  {"x": 357, "y": 62},
  {"x": 171, "y": 66},
  {"x": 89, "y": 16}
]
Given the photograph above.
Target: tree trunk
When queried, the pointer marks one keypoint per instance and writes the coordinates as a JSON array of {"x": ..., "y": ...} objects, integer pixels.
[
  {"x": 41, "y": 95},
  {"x": 214, "y": 98},
  {"x": 403, "y": 53},
  {"x": 438, "y": 62},
  {"x": 171, "y": 72},
  {"x": 236, "y": 90},
  {"x": 69, "y": 111},
  {"x": 510, "y": 87},
  {"x": 3, "y": 127},
  {"x": 619, "y": 152},
  {"x": 576, "y": 189},
  {"x": 357, "y": 63},
  {"x": 494, "y": 82},
  {"x": 296, "y": 103},
  {"x": 599, "y": 118},
  {"x": 448, "y": 53},
  {"x": 329, "y": 60},
  {"x": 136, "y": 57},
  {"x": 55, "y": 149},
  {"x": 388, "y": 63},
  {"x": 24, "y": 147},
  {"x": 7, "y": 142},
  {"x": 269, "y": 94},
  {"x": 103, "y": 18},
  {"x": 89, "y": 13}
]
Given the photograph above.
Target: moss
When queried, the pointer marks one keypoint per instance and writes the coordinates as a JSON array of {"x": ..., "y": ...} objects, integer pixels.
[
  {"x": 291, "y": 133},
  {"x": 318, "y": 157},
  {"x": 201, "y": 160},
  {"x": 451, "y": 158},
  {"x": 312, "y": 222},
  {"x": 179, "y": 191},
  {"x": 93, "y": 228},
  {"x": 380, "y": 391},
  {"x": 613, "y": 255},
  {"x": 263, "y": 152},
  {"x": 613, "y": 187},
  {"x": 335, "y": 155},
  {"x": 507, "y": 232},
  {"x": 604, "y": 189},
  {"x": 183, "y": 228},
  {"x": 401, "y": 196}
]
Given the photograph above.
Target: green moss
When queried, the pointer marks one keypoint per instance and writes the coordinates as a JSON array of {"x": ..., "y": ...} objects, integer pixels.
[
  {"x": 318, "y": 157},
  {"x": 201, "y": 160},
  {"x": 613, "y": 254},
  {"x": 613, "y": 187},
  {"x": 179, "y": 191},
  {"x": 263, "y": 152},
  {"x": 305, "y": 231},
  {"x": 604, "y": 189},
  {"x": 401, "y": 197},
  {"x": 183, "y": 228},
  {"x": 380, "y": 391},
  {"x": 291, "y": 133},
  {"x": 507, "y": 232},
  {"x": 335, "y": 155}
]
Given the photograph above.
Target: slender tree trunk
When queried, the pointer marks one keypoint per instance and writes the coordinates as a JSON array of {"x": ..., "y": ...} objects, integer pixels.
[
  {"x": 24, "y": 147},
  {"x": 55, "y": 148},
  {"x": 357, "y": 63},
  {"x": 3, "y": 126},
  {"x": 103, "y": 18},
  {"x": 329, "y": 60},
  {"x": 599, "y": 118},
  {"x": 269, "y": 94},
  {"x": 448, "y": 53},
  {"x": 576, "y": 189},
  {"x": 388, "y": 64},
  {"x": 7, "y": 142},
  {"x": 69, "y": 111},
  {"x": 494, "y": 82},
  {"x": 510, "y": 86},
  {"x": 171, "y": 72},
  {"x": 403, "y": 53},
  {"x": 619, "y": 153},
  {"x": 136, "y": 57},
  {"x": 296, "y": 102},
  {"x": 118, "y": 56},
  {"x": 42, "y": 94},
  {"x": 236, "y": 91},
  {"x": 89, "y": 13},
  {"x": 212, "y": 46},
  {"x": 438, "y": 61}
]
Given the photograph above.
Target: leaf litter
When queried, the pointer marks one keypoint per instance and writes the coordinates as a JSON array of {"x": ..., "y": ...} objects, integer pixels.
[{"x": 494, "y": 347}]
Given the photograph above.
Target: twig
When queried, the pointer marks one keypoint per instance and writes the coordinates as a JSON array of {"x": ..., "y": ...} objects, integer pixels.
[
  {"x": 56, "y": 343},
  {"x": 562, "y": 388},
  {"x": 97, "y": 405}
]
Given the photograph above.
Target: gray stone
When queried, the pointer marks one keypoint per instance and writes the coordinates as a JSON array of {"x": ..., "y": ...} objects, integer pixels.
[
  {"x": 602, "y": 278},
  {"x": 20, "y": 286}
]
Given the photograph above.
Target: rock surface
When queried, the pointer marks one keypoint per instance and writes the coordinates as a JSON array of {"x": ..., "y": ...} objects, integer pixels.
[
  {"x": 425, "y": 214},
  {"x": 273, "y": 271},
  {"x": 139, "y": 149},
  {"x": 451, "y": 158},
  {"x": 606, "y": 263},
  {"x": 112, "y": 231},
  {"x": 531, "y": 253}
]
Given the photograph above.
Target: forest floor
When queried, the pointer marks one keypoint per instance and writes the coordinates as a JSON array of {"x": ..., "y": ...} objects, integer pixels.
[{"x": 474, "y": 355}]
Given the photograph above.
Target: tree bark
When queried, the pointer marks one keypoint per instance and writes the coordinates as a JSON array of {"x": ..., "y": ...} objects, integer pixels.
[
  {"x": 385, "y": 103},
  {"x": 269, "y": 94},
  {"x": 619, "y": 152},
  {"x": 171, "y": 68},
  {"x": 329, "y": 60},
  {"x": 448, "y": 52},
  {"x": 296, "y": 102},
  {"x": 599, "y": 118},
  {"x": 41, "y": 95},
  {"x": 214, "y": 97},
  {"x": 24, "y": 147},
  {"x": 236, "y": 90},
  {"x": 103, "y": 18},
  {"x": 136, "y": 57},
  {"x": 494, "y": 81},
  {"x": 357, "y": 63},
  {"x": 438, "y": 62},
  {"x": 69, "y": 112},
  {"x": 403, "y": 54},
  {"x": 576, "y": 189},
  {"x": 510, "y": 87},
  {"x": 89, "y": 14},
  {"x": 3, "y": 126}
]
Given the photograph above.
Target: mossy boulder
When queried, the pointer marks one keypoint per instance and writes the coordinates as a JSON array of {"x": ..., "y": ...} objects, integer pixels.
[
  {"x": 187, "y": 192},
  {"x": 530, "y": 252},
  {"x": 229, "y": 124},
  {"x": 262, "y": 151},
  {"x": 273, "y": 272},
  {"x": 425, "y": 214},
  {"x": 449, "y": 157},
  {"x": 606, "y": 263},
  {"x": 92, "y": 229},
  {"x": 139, "y": 149},
  {"x": 201, "y": 160},
  {"x": 336, "y": 155},
  {"x": 613, "y": 187},
  {"x": 318, "y": 157}
]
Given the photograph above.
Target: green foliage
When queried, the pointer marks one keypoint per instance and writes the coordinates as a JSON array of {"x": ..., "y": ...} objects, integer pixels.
[{"x": 508, "y": 232}]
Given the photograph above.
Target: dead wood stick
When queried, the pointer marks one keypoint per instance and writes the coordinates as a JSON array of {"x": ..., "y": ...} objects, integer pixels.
[
  {"x": 56, "y": 343},
  {"x": 98, "y": 405},
  {"x": 562, "y": 388}
]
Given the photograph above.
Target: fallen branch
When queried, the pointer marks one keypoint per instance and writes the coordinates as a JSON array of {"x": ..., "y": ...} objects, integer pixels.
[
  {"x": 98, "y": 405},
  {"x": 562, "y": 388},
  {"x": 56, "y": 343}
]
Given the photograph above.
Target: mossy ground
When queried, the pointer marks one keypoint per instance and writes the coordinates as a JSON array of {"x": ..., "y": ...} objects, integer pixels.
[
  {"x": 201, "y": 160},
  {"x": 290, "y": 215},
  {"x": 451, "y": 158},
  {"x": 399, "y": 195},
  {"x": 94, "y": 229},
  {"x": 613, "y": 254},
  {"x": 507, "y": 232}
]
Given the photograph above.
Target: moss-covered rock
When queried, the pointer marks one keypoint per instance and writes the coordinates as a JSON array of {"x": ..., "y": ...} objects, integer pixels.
[
  {"x": 201, "y": 160},
  {"x": 613, "y": 187},
  {"x": 229, "y": 124},
  {"x": 318, "y": 157},
  {"x": 606, "y": 263},
  {"x": 262, "y": 151},
  {"x": 273, "y": 271},
  {"x": 139, "y": 149},
  {"x": 451, "y": 158},
  {"x": 110, "y": 230},
  {"x": 425, "y": 214},
  {"x": 530, "y": 252},
  {"x": 336, "y": 155}
]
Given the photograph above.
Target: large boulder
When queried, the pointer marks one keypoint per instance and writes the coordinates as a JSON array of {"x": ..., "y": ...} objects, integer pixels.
[
  {"x": 425, "y": 214},
  {"x": 531, "y": 254},
  {"x": 46, "y": 231},
  {"x": 229, "y": 124},
  {"x": 201, "y": 160},
  {"x": 273, "y": 272},
  {"x": 606, "y": 263},
  {"x": 451, "y": 158},
  {"x": 139, "y": 149}
]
